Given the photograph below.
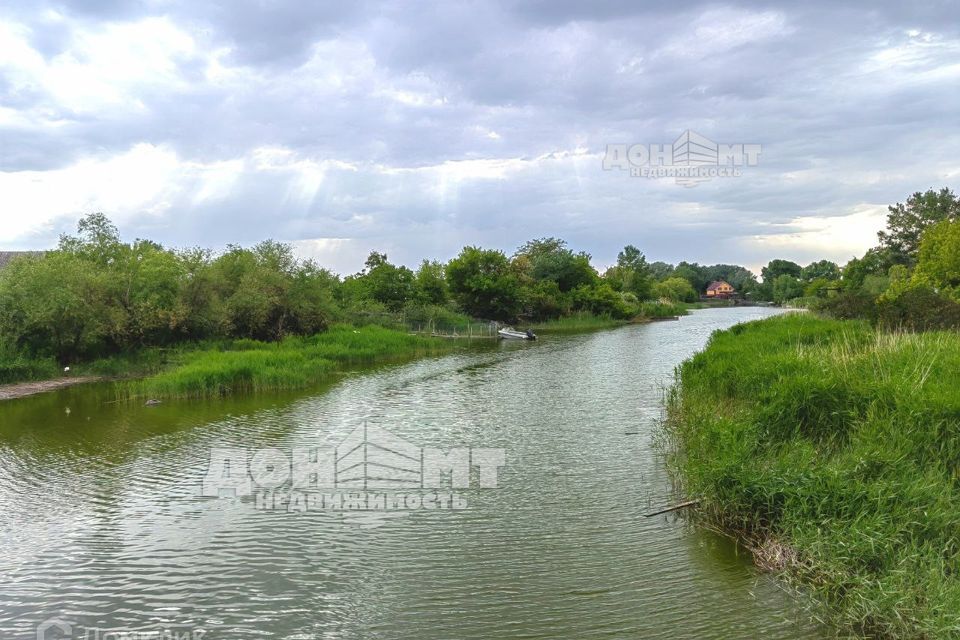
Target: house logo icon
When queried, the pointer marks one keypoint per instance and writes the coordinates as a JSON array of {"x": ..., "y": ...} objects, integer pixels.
[
  {"x": 54, "y": 629},
  {"x": 374, "y": 458},
  {"x": 694, "y": 150}
]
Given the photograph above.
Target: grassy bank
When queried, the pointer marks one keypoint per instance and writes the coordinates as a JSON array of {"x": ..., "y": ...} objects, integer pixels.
[
  {"x": 246, "y": 366},
  {"x": 835, "y": 451}
]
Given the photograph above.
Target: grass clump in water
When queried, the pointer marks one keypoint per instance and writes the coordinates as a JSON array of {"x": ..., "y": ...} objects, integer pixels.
[
  {"x": 843, "y": 444},
  {"x": 246, "y": 366}
]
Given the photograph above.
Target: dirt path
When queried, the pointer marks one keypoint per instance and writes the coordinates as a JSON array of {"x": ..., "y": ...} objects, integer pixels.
[{"x": 22, "y": 389}]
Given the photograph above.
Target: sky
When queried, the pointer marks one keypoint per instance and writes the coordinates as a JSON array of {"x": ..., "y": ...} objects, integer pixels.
[{"x": 416, "y": 128}]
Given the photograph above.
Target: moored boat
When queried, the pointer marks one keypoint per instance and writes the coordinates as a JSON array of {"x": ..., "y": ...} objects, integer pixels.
[{"x": 509, "y": 333}]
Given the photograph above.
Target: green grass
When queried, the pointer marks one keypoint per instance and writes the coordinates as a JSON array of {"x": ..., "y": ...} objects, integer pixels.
[
  {"x": 584, "y": 321},
  {"x": 248, "y": 366},
  {"x": 837, "y": 447},
  {"x": 655, "y": 310},
  {"x": 19, "y": 368},
  {"x": 577, "y": 322}
]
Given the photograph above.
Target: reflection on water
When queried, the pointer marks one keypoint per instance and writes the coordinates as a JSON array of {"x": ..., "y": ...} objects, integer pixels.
[{"x": 101, "y": 526}]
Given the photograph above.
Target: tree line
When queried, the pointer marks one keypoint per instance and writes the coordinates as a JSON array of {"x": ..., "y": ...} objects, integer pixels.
[
  {"x": 911, "y": 278},
  {"x": 96, "y": 295}
]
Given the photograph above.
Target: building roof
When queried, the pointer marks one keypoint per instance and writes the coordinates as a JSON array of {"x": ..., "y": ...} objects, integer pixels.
[
  {"x": 716, "y": 284},
  {"x": 7, "y": 256}
]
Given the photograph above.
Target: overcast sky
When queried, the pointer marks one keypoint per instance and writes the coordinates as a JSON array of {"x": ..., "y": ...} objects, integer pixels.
[{"x": 416, "y": 128}]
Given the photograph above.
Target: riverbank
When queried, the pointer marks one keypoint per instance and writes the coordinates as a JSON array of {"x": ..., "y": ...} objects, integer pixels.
[
  {"x": 833, "y": 450},
  {"x": 24, "y": 389}
]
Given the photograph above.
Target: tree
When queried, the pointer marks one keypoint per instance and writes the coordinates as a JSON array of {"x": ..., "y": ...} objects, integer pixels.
[
  {"x": 938, "y": 263},
  {"x": 631, "y": 273},
  {"x": 484, "y": 284},
  {"x": 550, "y": 259},
  {"x": 822, "y": 269},
  {"x": 740, "y": 278},
  {"x": 387, "y": 283},
  {"x": 786, "y": 288},
  {"x": 695, "y": 274},
  {"x": 55, "y": 305},
  {"x": 430, "y": 284},
  {"x": 777, "y": 268},
  {"x": 676, "y": 289},
  {"x": 660, "y": 270},
  {"x": 907, "y": 222},
  {"x": 875, "y": 262}
]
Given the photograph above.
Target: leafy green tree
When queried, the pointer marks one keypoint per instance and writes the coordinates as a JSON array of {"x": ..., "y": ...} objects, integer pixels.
[
  {"x": 740, "y": 278},
  {"x": 55, "y": 305},
  {"x": 777, "y": 268},
  {"x": 387, "y": 283},
  {"x": 907, "y": 222},
  {"x": 483, "y": 283},
  {"x": 660, "y": 270},
  {"x": 631, "y": 273},
  {"x": 938, "y": 263},
  {"x": 695, "y": 274},
  {"x": 544, "y": 301},
  {"x": 822, "y": 269},
  {"x": 550, "y": 259},
  {"x": 430, "y": 284},
  {"x": 875, "y": 262},
  {"x": 676, "y": 289},
  {"x": 602, "y": 300},
  {"x": 817, "y": 287},
  {"x": 786, "y": 287}
]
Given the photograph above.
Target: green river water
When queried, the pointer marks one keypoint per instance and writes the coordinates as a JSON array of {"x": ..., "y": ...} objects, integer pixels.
[{"x": 103, "y": 531}]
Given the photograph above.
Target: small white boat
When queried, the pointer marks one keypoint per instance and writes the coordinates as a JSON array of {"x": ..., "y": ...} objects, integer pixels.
[{"x": 509, "y": 333}]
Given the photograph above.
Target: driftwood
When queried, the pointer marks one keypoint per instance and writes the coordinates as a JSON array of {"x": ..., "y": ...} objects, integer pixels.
[{"x": 682, "y": 505}]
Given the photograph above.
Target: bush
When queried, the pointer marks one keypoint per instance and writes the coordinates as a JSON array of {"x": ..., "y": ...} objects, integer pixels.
[
  {"x": 919, "y": 309},
  {"x": 849, "y": 305}
]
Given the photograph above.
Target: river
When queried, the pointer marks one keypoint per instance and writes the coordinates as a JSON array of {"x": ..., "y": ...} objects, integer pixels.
[{"x": 103, "y": 529}]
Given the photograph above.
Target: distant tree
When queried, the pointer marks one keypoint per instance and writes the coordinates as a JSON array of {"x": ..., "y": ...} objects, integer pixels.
[
  {"x": 631, "y": 273},
  {"x": 676, "y": 289},
  {"x": 777, "y": 268},
  {"x": 660, "y": 270},
  {"x": 786, "y": 287},
  {"x": 430, "y": 284},
  {"x": 695, "y": 274},
  {"x": 550, "y": 259},
  {"x": 907, "y": 222},
  {"x": 483, "y": 283},
  {"x": 740, "y": 278},
  {"x": 386, "y": 283},
  {"x": 822, "y": 269},
  {"x": 602, "y": 300},
  {"x": 875, "y": 262}
]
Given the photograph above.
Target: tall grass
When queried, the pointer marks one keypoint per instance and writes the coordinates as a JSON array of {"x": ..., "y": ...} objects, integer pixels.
[
  {"x": 841, "y": 445},
  {"x": 15, "y": 367},
  {"x": 585, "y": 321},
  {"x": 246, "y": 366},
  {"x": 658, "y": 310},
  {"x": 580, "y": 321}
]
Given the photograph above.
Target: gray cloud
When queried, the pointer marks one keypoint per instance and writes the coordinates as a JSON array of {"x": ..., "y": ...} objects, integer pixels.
[{"x": 421, "y": 127}]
